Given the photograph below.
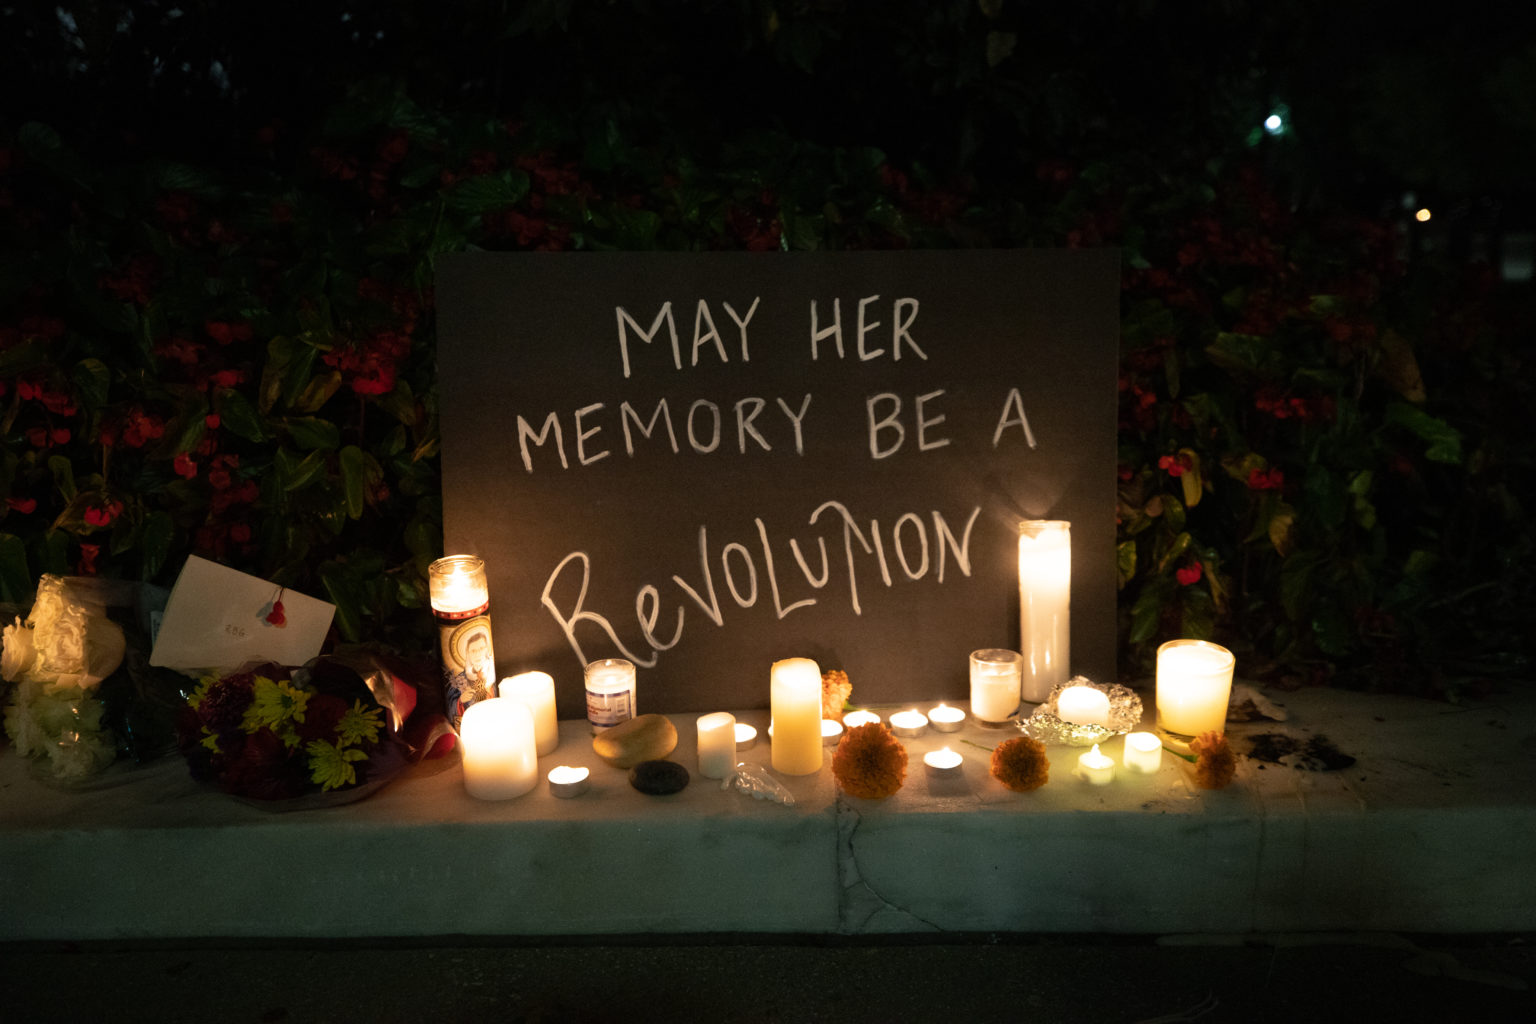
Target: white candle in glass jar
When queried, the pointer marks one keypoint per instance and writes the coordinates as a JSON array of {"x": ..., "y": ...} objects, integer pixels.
[
  {"x": 1083, "y": 705},
  {"x": 795, "y": 699},
  {"x": 1045, "y": 598},
  {"x": 1194, "y": 685},
  {"x": 610, "y": 692},
  {"x": 994, "y": 684},
  {"x": 501, "y": 759},
  {"x": 537, "y": 690},
  {"x": 1143, "y": 752},
  {"x": 717, "y": 744}
]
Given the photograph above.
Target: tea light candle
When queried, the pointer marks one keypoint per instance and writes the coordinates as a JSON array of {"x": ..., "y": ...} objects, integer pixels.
[
  {"x": 1096, "y": 767},
  {"x": 610, "y": 693},
  {"x": 1143, "y": 752},
  {"x": 717, "y": 744},
  {"x": 945, "y": 718},
  {"x": 1194, "y": 684},
  {"x": 795, "y": 700},
  {"x": 746, "y": 736},
  {"x": 1083, "y": 705},
  {"x": 854, "y": 719},
  {"x": 941, "y": 763},
  {"x": 909, "y": 723},
  {"x": 994, "y": 684},
  {"x": 501, "y": 758},
  {"x": 566, "y": 781},
  {"x": 1045, "y": 598},
  {"x": 537, "y": 690},
  {"x": 831, "y": 731}
]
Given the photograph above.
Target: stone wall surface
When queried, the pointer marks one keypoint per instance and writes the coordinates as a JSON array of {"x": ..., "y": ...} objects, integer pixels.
[{"x": 1429, "y": 830}]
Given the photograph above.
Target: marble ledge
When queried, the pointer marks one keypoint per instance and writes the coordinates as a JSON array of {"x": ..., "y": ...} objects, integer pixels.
[{"x": 1427, "y": 831}]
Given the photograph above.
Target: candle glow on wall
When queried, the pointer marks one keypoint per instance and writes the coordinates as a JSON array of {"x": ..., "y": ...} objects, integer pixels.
[
  {"x": 461, "y": 605},
  {"x": 1045, "y": 594}
]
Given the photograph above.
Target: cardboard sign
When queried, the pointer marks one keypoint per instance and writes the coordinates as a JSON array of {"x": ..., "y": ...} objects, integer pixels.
[{"x": 708, "y": 462}]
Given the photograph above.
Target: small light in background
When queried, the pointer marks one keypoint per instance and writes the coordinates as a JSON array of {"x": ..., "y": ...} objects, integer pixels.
[
  {"x": 1423, "y": 215},
  {"x": 1274, "y": 124}
]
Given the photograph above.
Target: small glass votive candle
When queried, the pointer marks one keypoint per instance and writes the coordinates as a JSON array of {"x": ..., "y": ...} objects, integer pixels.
[
  {"x": 994, "y": 685},
  {"x": 1194, "y": 686},
  {"x": 610, "y": 692}
]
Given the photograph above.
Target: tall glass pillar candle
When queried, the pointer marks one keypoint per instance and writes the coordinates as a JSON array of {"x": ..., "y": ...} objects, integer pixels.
[
  {"x": 501, "y": 758},
  {"x": 795, "y": 699},
  {"x": 994, "y": 684},
  {"x": 610, "y": 692},
  {"x": 1194, "y": 685},
  {"x": 461, "y": 605},
  {"x": 537, "y": 690},
  {"x": 1045, "y": 596}
]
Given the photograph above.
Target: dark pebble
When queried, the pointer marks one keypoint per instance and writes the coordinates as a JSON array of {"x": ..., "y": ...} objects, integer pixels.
[{"x": 658, "y": 778}]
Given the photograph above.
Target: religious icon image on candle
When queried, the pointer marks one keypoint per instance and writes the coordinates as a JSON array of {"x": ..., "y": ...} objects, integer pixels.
[
  {"x": 461, "y": 606},
  {"x": 1045, "y": 599},
  {"x": 1194, "y": 685},
  {"x": 610, "y": 692}
]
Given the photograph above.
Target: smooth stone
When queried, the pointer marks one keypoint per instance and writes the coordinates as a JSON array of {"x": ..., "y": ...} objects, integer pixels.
[
  {"x": 643, "y": 738},
  {"x": 658, "y": 778}
]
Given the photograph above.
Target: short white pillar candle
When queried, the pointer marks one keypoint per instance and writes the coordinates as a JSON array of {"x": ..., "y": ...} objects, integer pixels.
[
  {"x": 1097, "y": 768},
  {"x": 501, "y": 759},
  {"x": 1143, "y": 752},
  {"x": 717, "y": 744},
  {"x": 1083, "y": 705},
  {"x": 537, "y": 690}
]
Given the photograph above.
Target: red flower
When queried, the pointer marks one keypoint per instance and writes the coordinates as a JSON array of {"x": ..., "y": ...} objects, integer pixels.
[
  {"x": 212, "y": 421},
  {"x": 103, "y": 515},
  {"x": 1266, "y": 479},
  {"x": 240, "y": 533},
  {"x": 26, "y": 506},
  {"x": 184, "y": 466},
  {"x": 139, "y": 428},
  {"x": 1189, "y": 574},
  {"x": 43, "y": 437},
  {"x": 180, "y": 350},
  {"x": 1176, "y": 465},
  {"x": 87, "y": 563},
  {"x": 276, "y": 616},
  {"x": 227, "y": 378},
  {"x": 224, "y": 333}
]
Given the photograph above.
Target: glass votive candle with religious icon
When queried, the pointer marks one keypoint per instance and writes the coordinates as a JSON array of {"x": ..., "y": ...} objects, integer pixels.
[
  {"x": 994, "y": 685},
  {"x": 461, "y": 606},
  {"x": 1194, "y": 686},
  {"x": 1045, "y": 600}
]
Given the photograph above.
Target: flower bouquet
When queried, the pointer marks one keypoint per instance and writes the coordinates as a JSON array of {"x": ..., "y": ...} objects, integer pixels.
[{"x": 330, "y": 732}]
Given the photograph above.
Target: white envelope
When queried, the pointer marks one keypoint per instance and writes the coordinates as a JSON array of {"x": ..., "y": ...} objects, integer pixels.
[{"x": 218, "y": 618}]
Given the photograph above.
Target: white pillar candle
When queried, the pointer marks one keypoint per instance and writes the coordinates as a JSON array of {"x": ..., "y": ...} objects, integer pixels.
[
  {"x": 909, "y": 723},
  {"x": 501, "y": 758},
  {"x": 831, "y": 732},
  {"x": 945, "y": 718},
  {"x": 994, "y": 684},
  {"x": 610, "y": 692},
  {"x": 461, "y": 607},
  {"x": 566, "y": 781},
  {"x": 717, "y": 744},
  {"x": 1096, "y": 767},
  {"x": 943, "y": 762},
  {"x": 795, "y": 700},
  {"x": 1083, "y": 705},
  {"x": 537, "y": 690},
  {"x": 746, "y": 736},
  {"x": 854, "y": 719},
  {"x": 1194, "y": 684},
  {"x": 1143, "y": 752},
  {"x": 1045, "y": 593}
]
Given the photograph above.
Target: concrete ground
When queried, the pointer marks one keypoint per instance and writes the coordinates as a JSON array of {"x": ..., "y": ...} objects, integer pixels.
[{"x": 757, "y": 980}]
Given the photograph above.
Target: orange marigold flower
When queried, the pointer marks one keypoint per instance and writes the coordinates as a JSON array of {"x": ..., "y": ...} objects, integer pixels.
[
  {"x": 869, "y": 762},
  {"x": 835, "y": 691},
  {"x": 1021, "y": 764},
  {"x": 1215, "y": 762}
]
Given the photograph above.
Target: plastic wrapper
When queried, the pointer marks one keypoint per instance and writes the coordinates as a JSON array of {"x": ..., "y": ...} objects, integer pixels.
[{"x": 754, "y": 781}]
